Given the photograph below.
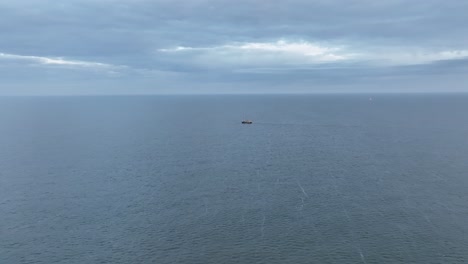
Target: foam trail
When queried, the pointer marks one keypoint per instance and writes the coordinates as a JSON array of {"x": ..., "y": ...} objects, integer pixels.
[
  {"x": 362, "y": 257},
  {"x": 302, "y": 189},
  {"x": 300, "y": 207},
  {"x": 263, "y": 225}
]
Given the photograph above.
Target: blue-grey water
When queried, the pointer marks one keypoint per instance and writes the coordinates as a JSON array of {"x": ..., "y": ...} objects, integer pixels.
[{"x": 178, "y": 179}]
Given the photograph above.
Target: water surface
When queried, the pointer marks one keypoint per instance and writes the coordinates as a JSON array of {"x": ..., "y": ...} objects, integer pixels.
[{"x": 178, "y": 179}]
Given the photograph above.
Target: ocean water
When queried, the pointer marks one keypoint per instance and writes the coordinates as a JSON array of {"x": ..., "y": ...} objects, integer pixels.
[{"x": 178, "y": 179}]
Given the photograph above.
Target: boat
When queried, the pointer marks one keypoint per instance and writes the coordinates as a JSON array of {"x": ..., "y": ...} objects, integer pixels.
[{"x": 247, "y": 122}]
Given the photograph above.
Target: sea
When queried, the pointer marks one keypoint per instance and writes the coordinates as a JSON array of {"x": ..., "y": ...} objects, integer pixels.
[{"x": 338, "y": 178}]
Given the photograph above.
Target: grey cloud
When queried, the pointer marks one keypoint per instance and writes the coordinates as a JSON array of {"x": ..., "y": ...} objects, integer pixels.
[{"x": 117, "y": 32}]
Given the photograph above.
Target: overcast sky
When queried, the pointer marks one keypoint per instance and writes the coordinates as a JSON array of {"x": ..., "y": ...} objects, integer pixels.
[{"x": 226, "y": 46}]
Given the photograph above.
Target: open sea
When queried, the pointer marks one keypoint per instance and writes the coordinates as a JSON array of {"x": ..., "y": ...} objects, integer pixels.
[{"x": 178, "y": 179}]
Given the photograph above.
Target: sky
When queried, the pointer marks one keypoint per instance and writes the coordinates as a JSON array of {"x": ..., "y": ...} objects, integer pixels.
[{"x": 86, "y": 47}]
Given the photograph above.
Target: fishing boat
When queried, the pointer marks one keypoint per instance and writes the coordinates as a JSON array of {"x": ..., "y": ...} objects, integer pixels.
[{"x": 247, "y": 122}]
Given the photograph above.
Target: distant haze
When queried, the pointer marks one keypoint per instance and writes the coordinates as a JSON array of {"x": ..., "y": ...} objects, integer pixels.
[{"x": 206, "y": 46}]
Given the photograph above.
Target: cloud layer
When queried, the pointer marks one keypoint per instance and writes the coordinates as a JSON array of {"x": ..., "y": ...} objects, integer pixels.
[
  {"x": 215, "y": 45},
  {"x": 287, "y": 53}
]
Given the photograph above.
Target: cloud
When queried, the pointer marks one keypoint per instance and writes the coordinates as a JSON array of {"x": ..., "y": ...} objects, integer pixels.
[
  {"x": 391, "y": 56},
  {"x": 60, "y": 62},
  {"x": 293, "y": 55},
  {"x": 213, "y": 43},
  {"x": 281, "y": 53},
  {"x": 312, "y": 52}
]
